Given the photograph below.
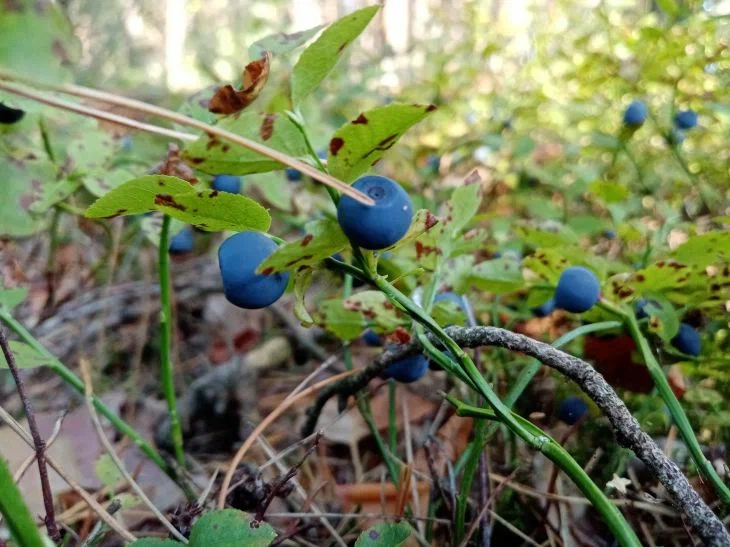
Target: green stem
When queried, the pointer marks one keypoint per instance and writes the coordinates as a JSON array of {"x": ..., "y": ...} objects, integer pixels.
[
  {"x": 529, "y": 433},
  {"x": 675, "y": 408},
  {"x": 166, "y": 369},
  {"x": 75, "y": 382}
]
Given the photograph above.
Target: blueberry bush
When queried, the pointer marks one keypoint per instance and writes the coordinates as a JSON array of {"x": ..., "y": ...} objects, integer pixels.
[{"x": 547, "y": 260}]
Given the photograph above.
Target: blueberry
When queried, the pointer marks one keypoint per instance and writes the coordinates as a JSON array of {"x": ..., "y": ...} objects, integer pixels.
[
  {"x": 449, "y": 296},
  {"x": 409, "y": 369},
  {"x": 338, "y": 256},
  {"x": 685, "y": 119},
  {"x": 635, "y": 114},
  {"x": 546, "y": 309},
  {"x": 293, "y": 175},
  {"x": 126, "y": 143},
  {"x": 609, "y": 234},
  {"x": 572, "y": 409},
  {"x": 640, "y": 308},
  {"x": 688, "y": 340},
  {"x": 238, "y": 258},
  {"x": 182, "y": 242},
  {"x": 10, "y": 115},
  {"x": 227, "y": 183},
  {"x": 578, "y": 290},
  {"x": 380, "y": 225},
  {"x": 372, "y": 339},
  {"x": 675, "y": 136}
]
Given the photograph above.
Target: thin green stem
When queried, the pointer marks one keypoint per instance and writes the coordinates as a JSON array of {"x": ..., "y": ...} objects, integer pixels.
[
  {"x": 75, "y": 382},
  {"x": 675, "y": 408},
  {"x": 166, "y": 369},
  {"x": 528, "y": 432}
]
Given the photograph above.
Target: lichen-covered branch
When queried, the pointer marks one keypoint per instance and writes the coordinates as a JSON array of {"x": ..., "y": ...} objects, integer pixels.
[{"x": 626, "y": 429}]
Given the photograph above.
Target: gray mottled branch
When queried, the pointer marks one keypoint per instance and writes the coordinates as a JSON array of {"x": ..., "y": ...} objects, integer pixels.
[{"x": 626, "y": 429}]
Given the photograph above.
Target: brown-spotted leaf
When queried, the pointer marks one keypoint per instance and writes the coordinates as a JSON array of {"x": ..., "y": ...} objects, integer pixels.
[
  {"x": 229, "y": 101},
  {"x": 137, "y": 196},
  {"x": 423, "y": 221},
  {"x": 375, "y": 309},
  {"x": 358, "y": 145}
]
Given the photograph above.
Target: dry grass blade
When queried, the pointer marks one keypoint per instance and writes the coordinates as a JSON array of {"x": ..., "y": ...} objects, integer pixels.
[
  {"x": 113, "y": 455},
  {"x": 30, "y": 459},
  {"x": 92, "y": 503},
  {"x": 278, "y": 411}
]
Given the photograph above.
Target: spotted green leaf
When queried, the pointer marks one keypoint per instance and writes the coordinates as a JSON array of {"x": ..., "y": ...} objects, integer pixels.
[
  {"x": 137, "y": 196},
  {"x": 230, "y": 528},
  {"x": 323, "y": 239},
  {"x": 102, "y": 181},
  {"x": 376, "y": 310},
  {"x": 52, "y": 193},
  {"x": 423, "y": 221},
  {"x": 663, "y": 319},
  {"x": 344, "y": 323},
  {"x": 277, "y": 131},
  {"x": 704, "y": 249},
  {"x": 281, "y": 43},
  {"x": 322, "y": 55},
  {"x": 90, "y": 151},
  {"x": 22, "y": 181},
  {"x": 357, "y": 145},
  {"x": 386, "y": 534},
  {"x": 302, "y": 281},
  {"x": 36, "y": 40},
  {"x": 544, "y": 238},
  {"x": 499, "y": 276}
]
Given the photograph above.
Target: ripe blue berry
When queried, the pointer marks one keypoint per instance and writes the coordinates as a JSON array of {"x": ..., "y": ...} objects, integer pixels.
[
  {"x": 635, "y": 114},
  {"x": 546, "y": 309},
  {"x": 293, "y": 175},
  {"x": 685, "y": 119},
  {"x": 572, "y": 409},
  {"x": 238, "y": 258},
  {"x": 372, "y": 339},
  {"x": 182, "y": 242},
  {"x": 227, "y": 183},
  {"x": 10, "y": 115},
  {"x": 640, "y": 308},
  {"x": 409, "y": 369},
  {"x": 609, "y": 234},
  {"x": 434, "y": 163},
  {"x": 688, "y": 340},
  {"x": 578, "y": 290},
  {"x": 380, "y": 225}
]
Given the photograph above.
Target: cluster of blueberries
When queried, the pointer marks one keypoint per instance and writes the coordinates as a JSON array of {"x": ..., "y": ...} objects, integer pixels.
[
  {"x": 636, "y": 113},
  {"x": 373, "y": 227}
]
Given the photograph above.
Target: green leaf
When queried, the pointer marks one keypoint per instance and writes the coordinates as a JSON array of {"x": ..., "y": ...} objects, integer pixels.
[
  {"x": 107, "y": 471},
  {"x": 608, "y": 191},
  {"x": 277, "y": 131},
  {"x": 22, "y": 181},
  {"x": 344, "y": 323},
  {"x": 375, "y": 309},
  {"x": 523, "y": 147},
  {"x": 230, "y": 528},
  {"x": 17, "y": 516},
  {"x": 357, "y": 145},
  {"x": 52, "y": 193},
  {"x": 386, "y": 534},
  {"x": 704, "y": 249},
  {"x": 275, "y": 189},
  {"x": 670, "y": 7},
  {"x": 542, "y": 238},
  {"x": 100, "y": 182},
  {"x": 302, "y": 281},
  {"x": 215, "y": 211},
  {"x": 280, "y": 43},
  {"x": 323, "y": 239},
  {"x": 322, "y": 55},
  {"x": 10, "y": 298},
  {"x": 663, "y": 319},
  {"x": 25, "y": 356},
  {"x": 155, "y": 542},
  {"x": 461, "y": 208},
  {"x": 196, "y": 106},
  {"x": 138, "y": 196},
  {"x": 90, "y": 151},
  {"x": 423, "y": 221},
  {"x": 447, "y": 312},
  {"x": 36, "y": 40},
  {"x": 499, "y": 276}
]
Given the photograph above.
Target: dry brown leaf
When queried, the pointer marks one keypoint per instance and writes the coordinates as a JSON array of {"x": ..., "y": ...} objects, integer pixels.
[{"x": 229, "y": 101}]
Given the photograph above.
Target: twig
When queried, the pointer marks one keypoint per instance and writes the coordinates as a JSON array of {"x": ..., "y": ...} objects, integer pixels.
[
  {"x": 485, "y": 509},
  {"x": 38, "y": 443},
  {"x": 627, "y": 430},
  {"x": 118, "y": 462},
  {"x": 98, "y": 529},
  {"x": 210, "y": 130},
  {"x": 273, "y": 415},
  {"x": 281, "y": 482},
  {"x": 92, "y": 503}
]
